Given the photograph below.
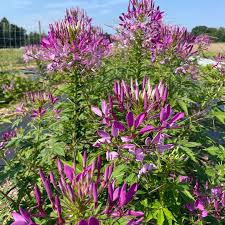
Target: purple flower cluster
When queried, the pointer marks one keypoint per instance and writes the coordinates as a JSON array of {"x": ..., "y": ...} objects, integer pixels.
[
  {"x": 32, "y": 52},
  {"x": 136, "y": 121},
  {"x": 40, "y": 102},
  {"x": 143, "y": 24},
  {"x": 75, "y": 197},
  {"x": 220, "y": 63},
  {"x": 74, "y": 43},
  {"x": 175, "y": 42},
  {"x": 143, "y": 17},
  {"x": 202, "y": 41},
  {"x": 188, "y": 69},
  {"x": 8, "y": 87},
  {"x": 208, "y": 202},
  {"x": 6, "y": 137}
]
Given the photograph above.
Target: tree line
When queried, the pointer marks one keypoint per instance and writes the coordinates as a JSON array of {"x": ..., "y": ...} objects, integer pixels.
[
  {"x": 13, "y": 36},
  {"x": 216, "y": 34}
]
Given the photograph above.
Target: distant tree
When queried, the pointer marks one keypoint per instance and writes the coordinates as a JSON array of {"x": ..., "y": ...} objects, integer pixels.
[
  {"x": 13, "y": 36},
  {"x": 216, "y": 34},
  {"x": 199, "y": 30}
]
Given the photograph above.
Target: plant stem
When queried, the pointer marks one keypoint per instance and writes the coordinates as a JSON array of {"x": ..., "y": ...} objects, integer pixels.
[
  {"x": 74, "y": 89},
  {"x": 7, "y": 197}
]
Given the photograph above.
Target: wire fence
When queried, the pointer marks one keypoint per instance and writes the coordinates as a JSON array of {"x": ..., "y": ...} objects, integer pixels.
[
  {"x": 12, "y": 41},
  {"x": 12, "y": 36}
]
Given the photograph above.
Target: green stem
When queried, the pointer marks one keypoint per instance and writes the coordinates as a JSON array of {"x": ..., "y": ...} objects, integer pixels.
[
  {"x": 7, "y": 197},
  {"x": 74, "y": 89}
]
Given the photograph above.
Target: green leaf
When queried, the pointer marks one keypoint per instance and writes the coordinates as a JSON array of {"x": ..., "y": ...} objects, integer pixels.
[
  {"x": 220, "y": 115},
  {"x": 188, "y": 194},
  {"x": 160, "y": 217},
  {"x": 168, "y": 214},
  {"x": 145, "y": 203},
  {"x": 5, "y": 121},
  {"x": 59, "y": 149},
  {"x": 190, "y": 144},
  {"x": 119, "y": 172},
  {"x": 183, "y": 106},
  {"x": 190, "y": 153}
]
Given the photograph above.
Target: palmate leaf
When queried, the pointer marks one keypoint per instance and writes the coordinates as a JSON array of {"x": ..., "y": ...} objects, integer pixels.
[
  {"x": 119, "y": 173},
  {"x": 160, "y": 213}
]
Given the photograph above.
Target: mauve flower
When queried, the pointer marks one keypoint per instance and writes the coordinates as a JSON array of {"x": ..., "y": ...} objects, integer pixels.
[
  {"x": 130, "y": 116},
  {"x": 81, "y": 189},
  {"x": 199, "y": 205},
  {"x": 37, "y": 195},
  {"x": 60, "y": 219},
  {"x": 8, "y": 135},
  {"x": 90, "y": 221},
  {"x": 196, "y": 190},
  {"x": 223, "y": 199},
  {"x": 166, "y": 118},
  {"x": 74, "y": 43},
  {"x": 146, "y": 169},
  {"x": 111, "y": 155},
  {"x": 38, "y": 112},
  {"x": 158, "y": 141},
  {"x": 105, "y": 138},
  {"x": 208, "y": 203},
  {"x": 2, "y": 144},
  {"x": 190, "y": 207},
  {"x": 136, "y": 221},
  {"x": 20, "y": 108},
  {"x": 204, "y": 213},
  {"x": 56, "y": 113},
  {"x": 125, "y": 197},
  {"x": 138, "y": 153},
  {"x": 32, "y": 53},
  {"x": 22, "y": 218},
  {"x": 183, "y": 179},
  {"x": 69, "y": 172},
  {"x": 96, "y": 110},
  {"x": 130, "y": 119},
  {"x": 52, "y": 99},
  {"x": 217, "y": 191}
]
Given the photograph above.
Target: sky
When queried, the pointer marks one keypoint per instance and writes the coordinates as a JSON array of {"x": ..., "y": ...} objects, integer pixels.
[{"x": 188, "y": 13}]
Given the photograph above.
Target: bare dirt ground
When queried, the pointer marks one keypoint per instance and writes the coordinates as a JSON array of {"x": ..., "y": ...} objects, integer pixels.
[{"x": 217, "y": 48}]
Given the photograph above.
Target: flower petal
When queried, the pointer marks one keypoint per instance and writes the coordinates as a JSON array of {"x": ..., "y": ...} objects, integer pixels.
[
  {"x": 130, "y": 119},
  {"x": 96, "y": 110},
  {"x": 146, "y": 129},
  {"x": 140, "y": 118}
]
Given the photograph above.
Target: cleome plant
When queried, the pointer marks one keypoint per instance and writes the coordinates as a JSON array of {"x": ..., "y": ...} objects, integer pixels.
[{"x": 116, "y": 129}]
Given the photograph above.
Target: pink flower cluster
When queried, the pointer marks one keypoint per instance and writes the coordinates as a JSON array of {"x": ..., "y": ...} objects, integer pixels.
[
  {"x": 73, "y": 43},
  {"x": 41, "y": 102},
  {"x": 136, "y": 122},
  {"x": 202, "y": 41},
  {"x": 32, "y": 52},
  {"x": 75, "y": 197},
  {"x": 220, "y": 63},
  {"x": 6, "y": 137},
  {"x": 210, "y": 202},
  {"x": 143, "y": 24},
  {"x": 8, "y": 87}
]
